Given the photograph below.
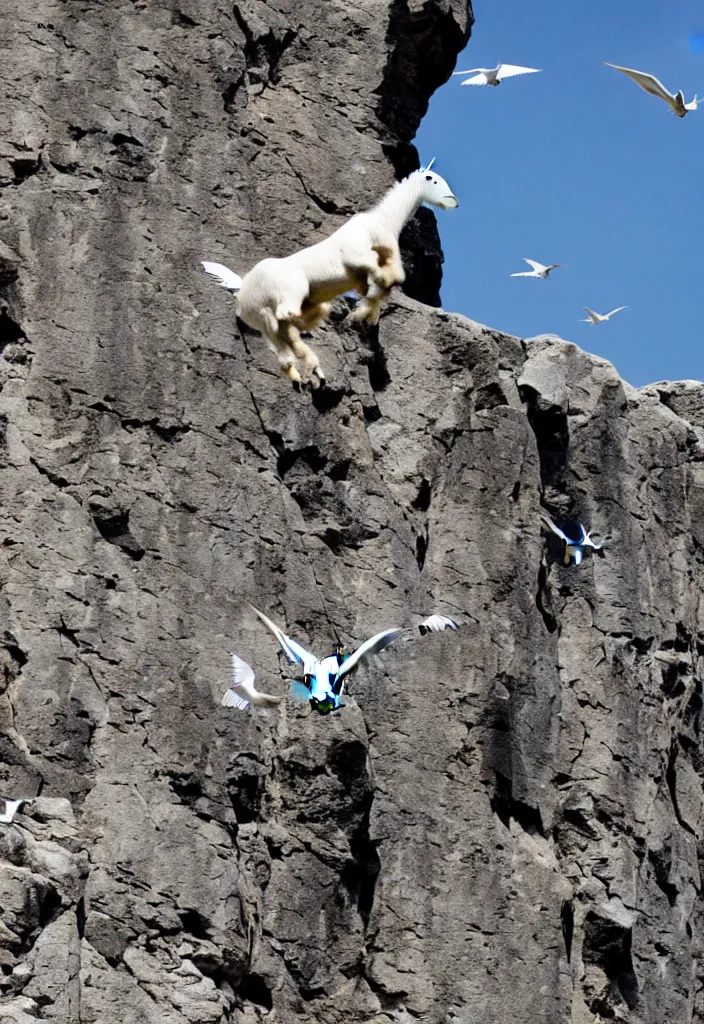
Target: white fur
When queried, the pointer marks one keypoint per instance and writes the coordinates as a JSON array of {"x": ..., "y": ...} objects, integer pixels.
[{"x": 281, "y": 297}]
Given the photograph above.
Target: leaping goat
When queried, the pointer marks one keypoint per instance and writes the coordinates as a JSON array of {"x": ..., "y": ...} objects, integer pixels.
[{"x": 281, "y": 297}]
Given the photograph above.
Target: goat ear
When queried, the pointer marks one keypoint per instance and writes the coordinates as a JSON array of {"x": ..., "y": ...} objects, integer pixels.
[{"x": 427, "y": 168}]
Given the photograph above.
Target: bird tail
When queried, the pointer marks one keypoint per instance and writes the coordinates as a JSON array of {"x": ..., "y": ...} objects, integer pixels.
[{"x": 270, "y": 700}]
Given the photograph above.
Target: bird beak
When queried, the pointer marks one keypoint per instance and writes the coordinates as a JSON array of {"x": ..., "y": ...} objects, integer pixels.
[{"x": 449, "y": 203}]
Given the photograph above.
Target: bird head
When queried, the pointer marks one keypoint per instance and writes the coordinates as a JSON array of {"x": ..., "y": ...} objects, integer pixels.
[
  {"x": 340, "y": 652},
  {"x": 330, "y": 703}
]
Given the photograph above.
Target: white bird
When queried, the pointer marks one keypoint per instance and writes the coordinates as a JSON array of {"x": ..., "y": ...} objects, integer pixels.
[
  {"x": 539, "y": 269},
  {"x": 597, "y": 318},
  {"x": 655, "y": 87},
  {"x": 11, "y": 809},
  {"x": 242, "y": 693},
  {"x": 223, "y": 275},
  {"x": 574, "y": 547},
  {"x": 493, "y": 76},
  {"x": 435, "y": 624}
]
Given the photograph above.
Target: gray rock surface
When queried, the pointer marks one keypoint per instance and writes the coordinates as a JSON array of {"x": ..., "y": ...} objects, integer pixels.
[{"x": 504, "y": 823}]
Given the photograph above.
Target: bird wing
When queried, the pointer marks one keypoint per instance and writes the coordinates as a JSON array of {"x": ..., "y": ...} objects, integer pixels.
[
  {"x": 550, "y": 523},
  {"x": 374, "y": 645},
  {"x": 299, "y": 690},
  {"x": 524, "y": 273},
  {"x": 435, "y": 624},
  {"x": 293, "y": 651},
  {"x": 648, "y": 82},
  {"x": 693, "y": 104},
  {"x": 242, "y": 689},
  {"x": 480, "y": 79},
  {"x": 11, "y": 808},
  {"x": 592, "y": 315},
  {"x": 473, "y": 71},
  {"x": 509, "y": 70},
  {"x": 225, "y": 277},
  {"x": 617, "y": 310},
  {"x": 534, "y": 265},
  {"x": 231, "y": 699}
]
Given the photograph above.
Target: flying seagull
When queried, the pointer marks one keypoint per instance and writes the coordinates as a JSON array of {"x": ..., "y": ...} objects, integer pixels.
[
  {"x": 655, "y": 87},
  {"x": 11, "y": 809},
  {"x": 224, "y": 277},
  {"x": 597, "y": 318},
  {"x": 242, "y": 693},
  {"x": 539, "y": 269},
  {"x": 324, "y": 679},
  {"x": 493, "y": 76},
  {"x": 574, "y": 549}
]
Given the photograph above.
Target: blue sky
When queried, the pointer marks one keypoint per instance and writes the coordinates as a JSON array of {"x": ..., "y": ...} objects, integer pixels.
[{"x": 577, "y": 165}]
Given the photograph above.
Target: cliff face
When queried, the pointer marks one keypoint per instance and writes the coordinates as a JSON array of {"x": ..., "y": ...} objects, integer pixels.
[{"x": 503, "y": 824}]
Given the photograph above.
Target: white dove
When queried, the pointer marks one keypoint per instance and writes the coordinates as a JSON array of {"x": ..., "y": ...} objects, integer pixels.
[
  {"x": 655, "y": 87},
  {"x": 223, "y": 275},
  {"x": 11, "y": 809},
  {"x": 493, "y": 76},
  {"x": 539, "y": 269},
  {"x": 435, "y": 624},
  {"x": 242, "y": 693},
  {"x": 597, "y": 318}
]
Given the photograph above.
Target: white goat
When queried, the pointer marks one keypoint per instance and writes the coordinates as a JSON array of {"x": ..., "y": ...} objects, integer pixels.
[{"x": 281, "y": 297}]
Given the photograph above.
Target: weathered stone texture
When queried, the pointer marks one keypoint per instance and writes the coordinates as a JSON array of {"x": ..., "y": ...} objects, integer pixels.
[{"x": 503, "y": 824}]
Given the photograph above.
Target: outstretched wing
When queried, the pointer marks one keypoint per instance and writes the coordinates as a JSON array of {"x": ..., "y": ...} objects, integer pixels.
[
  {"x": 479, "y": 79},
  {"x": 509, "y": 70},
  {"x": 237, "y": 696},
  {"x": 299, "y": 690},
  {"x": 374, "y": 645},
  {"x": 474, "y": 71},
  {"x": 224, "y": 276},
  {"x": 534, "y": 265},
  {"x": 293, "y": 651},
  {"x": 617, "y": 310},
  {"x": 435, "y": 624},
  {"x": 551, "y": 525},
  {"x": 650, "y": 83},
  {"x": 233, "y": 700},
  {"x": 592, "y": 314}
]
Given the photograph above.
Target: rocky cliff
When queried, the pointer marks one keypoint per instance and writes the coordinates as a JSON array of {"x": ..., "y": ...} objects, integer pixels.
[{"x": 503, "y": 825}]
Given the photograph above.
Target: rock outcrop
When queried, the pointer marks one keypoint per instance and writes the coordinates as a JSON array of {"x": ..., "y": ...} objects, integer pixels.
[{"x": 504, "y": 823}]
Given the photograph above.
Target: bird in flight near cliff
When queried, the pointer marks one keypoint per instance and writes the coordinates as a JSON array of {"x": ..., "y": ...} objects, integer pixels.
[
  {"x": 242, "y": 693},
  {"x": 225, "y": 277},
  {"x": 598, "y": 318},
  {"x": 539, "y": 269},
  {"x": 493, "y": 76},
  {"x": 11, "y": 809},
  {"x": 574, "y": 547},
  {"x": 655, "y": 87},
  {"x": 324, "y": 679}
]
